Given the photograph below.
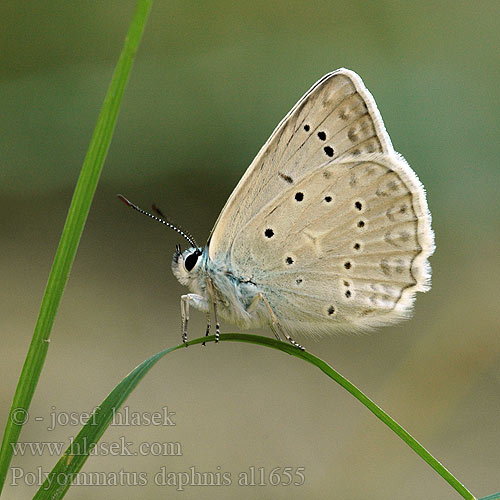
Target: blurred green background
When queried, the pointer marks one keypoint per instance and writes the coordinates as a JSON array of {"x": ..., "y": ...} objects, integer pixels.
[{"x": 211, "y": 81}]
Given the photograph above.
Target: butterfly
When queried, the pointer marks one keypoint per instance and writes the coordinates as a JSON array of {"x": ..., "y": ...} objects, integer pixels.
[{"x": 327, "y": 230}]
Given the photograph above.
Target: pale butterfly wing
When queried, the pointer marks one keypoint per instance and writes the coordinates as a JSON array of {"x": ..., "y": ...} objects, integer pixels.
[
  {"x": 336, "y": 116},
  {"x": 346, "y": 246},
  {"x": 329, "y": 221}
]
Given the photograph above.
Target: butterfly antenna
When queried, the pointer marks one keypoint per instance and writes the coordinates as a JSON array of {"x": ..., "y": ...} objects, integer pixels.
[
  {"x": 157, "y": 211},
  {"x": 163, "y": 220}
]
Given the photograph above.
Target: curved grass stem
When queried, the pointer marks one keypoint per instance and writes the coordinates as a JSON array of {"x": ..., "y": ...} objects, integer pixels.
[{"x": 70, "y": 463}]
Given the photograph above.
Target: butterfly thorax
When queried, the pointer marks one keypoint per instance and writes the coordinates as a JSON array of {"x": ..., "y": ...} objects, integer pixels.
[{"x": 233, "y": 293}]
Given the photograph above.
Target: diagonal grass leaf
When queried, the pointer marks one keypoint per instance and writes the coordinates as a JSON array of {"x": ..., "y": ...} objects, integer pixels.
[{"x": 70, "y": 238}]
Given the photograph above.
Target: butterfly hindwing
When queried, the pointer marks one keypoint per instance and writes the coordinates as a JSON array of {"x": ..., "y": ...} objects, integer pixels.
[{"x": 345, "y": 246}]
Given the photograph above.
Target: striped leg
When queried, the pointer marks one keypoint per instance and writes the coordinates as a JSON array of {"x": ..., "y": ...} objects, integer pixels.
[
  {"x": 275, "y": 327},
  {"x": 186, "y": 300},
  {"x": 211, "y": 293},
  {"x": 207, "y": 331}
]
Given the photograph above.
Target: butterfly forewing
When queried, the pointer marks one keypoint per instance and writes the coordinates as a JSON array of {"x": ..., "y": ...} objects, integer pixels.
[{"x": 336, "y": 116}]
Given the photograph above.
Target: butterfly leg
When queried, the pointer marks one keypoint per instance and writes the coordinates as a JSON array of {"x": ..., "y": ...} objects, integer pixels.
[
  {"x": 186, "y": 300},
  {"x": 184, "y": 317},
  {"x": 207, "y": 331},
  {"x": 293, "y": 342},
  {"x": 211, "y": 293},
  {"x": 276, "y": 333},
  {"x": 275, "y": 327},
  {"x": 253, "y": 305}
]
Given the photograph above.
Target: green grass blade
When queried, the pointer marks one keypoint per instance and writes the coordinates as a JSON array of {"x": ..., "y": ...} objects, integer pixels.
[
  {"x": 59, "y": 479},
  {"x": 493, "y": 496},
  {"x": 71, "y": 462},
  {"x": 73, "y": 228}
]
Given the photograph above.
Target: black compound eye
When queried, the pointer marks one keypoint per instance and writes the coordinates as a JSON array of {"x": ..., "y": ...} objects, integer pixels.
[{"x": 191, "y": 261}]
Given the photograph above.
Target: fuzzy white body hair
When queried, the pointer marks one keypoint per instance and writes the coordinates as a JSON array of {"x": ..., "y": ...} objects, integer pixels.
[{"x": 233, "y": 294}]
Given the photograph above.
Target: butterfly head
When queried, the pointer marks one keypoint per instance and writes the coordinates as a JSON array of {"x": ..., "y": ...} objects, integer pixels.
[{"x": 185, "y": 265}]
